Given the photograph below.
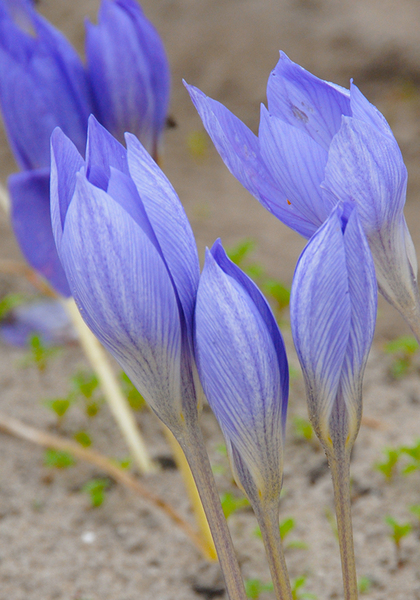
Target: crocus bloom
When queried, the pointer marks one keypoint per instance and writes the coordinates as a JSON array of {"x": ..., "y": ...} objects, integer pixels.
[
  {"x": 243, "y": 369},
  {"x": 319, "y": 144},
  {"x": 333, "y": 312},
  {"x": 129, "y": 72},
  {"x": 43, "y": 84},
  {"x": 131, "y": 261}
]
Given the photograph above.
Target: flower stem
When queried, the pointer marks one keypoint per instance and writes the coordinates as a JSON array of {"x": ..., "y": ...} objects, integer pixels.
[
  {"x": 268, "y": 520},
  {"x": 340, "y": 471},
  {"x": 193, "y": 446},
  {"x": 200, "y": 515},
  {"x": 116, "y": 400}
]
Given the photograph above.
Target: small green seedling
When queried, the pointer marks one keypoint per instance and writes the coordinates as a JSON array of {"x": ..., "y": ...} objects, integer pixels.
[
  {"x": 398, "y": 532},
  {"x": 58, "y": 459},
  {"x": 96, "y": 488},
  {"x": 302, "y": 429},
  {"x": 198, "y": 145},
  {"x": 86, "y": 386},
  {"x": 231, "y": 503},
  {"x": 11, "y": 301},
  {"x": 38, "y": 353},
  {"x": 389, "y": 465},
  {"x": 297, "y": 591},
  {"x": 255, "y": 587},
  {"x": 415, "y": 509},
  {"x": 285, "y": 527},
  {"x": 280, "y": 293},
  {"x": 83, "y": 438},
  {"x": 364, "y": 584},
  {"x": 403, "y": 350},
  {"x": 413, "y": 452},
  {"x": 59, "y": 406},
  {"x": 135, "y": 399}
]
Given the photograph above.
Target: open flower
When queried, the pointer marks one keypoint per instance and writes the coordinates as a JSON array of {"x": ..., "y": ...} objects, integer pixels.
[
  {"x": 333, "y": 312},
  {"x": 131, "y": 261},
  {"x": 243, "y": 369},
  {"x": 129, "y": 72},
  {"x": 319, "y": 144}
]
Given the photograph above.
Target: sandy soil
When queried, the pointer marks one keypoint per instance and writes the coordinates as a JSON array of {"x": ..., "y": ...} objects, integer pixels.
[{"x": 227, "y": 48}]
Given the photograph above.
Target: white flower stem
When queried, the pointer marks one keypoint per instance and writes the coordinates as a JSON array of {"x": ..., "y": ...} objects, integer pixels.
[
  {"x": 193, "y": 446},
  {"x": 340, "y": 471},
  {"x": 200, "y": 515},
  {"x": 267, "y": 515},
  {"x": 117, "y": 402}
]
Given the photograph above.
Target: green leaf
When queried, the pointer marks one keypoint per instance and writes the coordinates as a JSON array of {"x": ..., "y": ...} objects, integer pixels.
[
  {"x": 96, "y": 488},
  {"x": 241, "y": 250},
  {"x": 135, "y": 399},
  {"x": 230, "y": 504},
  {"x": 83, "y": 438},
  {"x": 364, "y": 584},
  {"x": 58, "y": 459},
  {"x": 255, "y": 587},
  {"x": 11, "y": 301},
  {"x": 58, "y": 405}
]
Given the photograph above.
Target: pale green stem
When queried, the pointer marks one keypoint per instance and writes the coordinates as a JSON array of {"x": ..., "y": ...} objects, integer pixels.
[
  {"x": 268, "y": 519},
  {"x": 200, "y": 515},
  {"x": 196, "y": 454},
  {"x": 340, "y": 471},
  {"x": 117, "y": 402}
]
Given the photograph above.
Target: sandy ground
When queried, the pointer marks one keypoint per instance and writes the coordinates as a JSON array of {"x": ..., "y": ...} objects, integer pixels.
[{"x": 132, "y": 551}]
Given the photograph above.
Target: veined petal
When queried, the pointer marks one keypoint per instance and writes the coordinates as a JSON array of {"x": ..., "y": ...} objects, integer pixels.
[
  {"x": 65, "y": 163},
  {"x": 320, "y": 311},
  {"x": 366, "y": 167},
  {"x": 162, "y": 206},
  {"x": 239, "y": 370},
  {"x": 239, "y": 149},
  {"x": 297, "y": 164},
  {"x": 102, "y": 249},
  {"x": 363, "y": 110},
  {"x": 306, "y": 102},
  {"x": 103, "y": 151},
  {"x": 363, "y": 301},
  {"x": 267, "y": 316},
  {"x": 31, "y": 222}
]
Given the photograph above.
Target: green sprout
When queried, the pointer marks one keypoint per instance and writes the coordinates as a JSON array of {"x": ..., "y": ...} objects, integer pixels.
[
  {"x": 285, "y": 527},
  {"x": 86, "y": 386},
  {"x": 403, "y": 350},
  {"x": 135, "y": 399},
  {"x": 279, "y": 293},
  {"x": 364, "y": 584},
  {"x": 58, "y": 459},
  {"x": 231, "y": 504},
  {"x": 413, "y": 452},
  {"x": 96, "y": 488},
  {"x": 302, "y": 428},
  {"x": 39, "y": 353},
  {"x": 398, "y": 532},
  {"x": 388, "y": 466},
  {"x": 83, "y": 438},
  {"x": 255, "y": 587},
  {"x": 59, "y": 406},
  {"x": 197, "y": 143},
  {"x": 298, "y": 593},
  {"x": 9, "y": 302}
]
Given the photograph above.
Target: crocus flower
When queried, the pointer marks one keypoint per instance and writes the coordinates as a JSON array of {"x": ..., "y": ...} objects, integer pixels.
[
  {"x": 333, "y": 312},
  {"x": 319, "y": 144},
  {"x": 129, "y": 72},
  {"x": 43, "y": 84},
  {"x": 131, "y": 261},
  {"x": 243, "y": 369}
]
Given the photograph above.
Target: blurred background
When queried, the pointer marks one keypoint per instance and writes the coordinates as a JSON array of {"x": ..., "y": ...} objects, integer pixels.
[{"x": 227, "y": 48}]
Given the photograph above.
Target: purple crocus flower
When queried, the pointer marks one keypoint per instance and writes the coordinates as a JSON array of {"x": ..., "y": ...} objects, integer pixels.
[
  {"x": 129, "y": 72},
  {"x": 333, "y": 312},
  {"x": 243, "y": 368},
  {"x": 131, "y": 261},
  {"x": 319, "y": 144}
]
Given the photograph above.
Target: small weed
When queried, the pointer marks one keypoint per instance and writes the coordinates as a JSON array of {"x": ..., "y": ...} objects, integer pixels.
[
  {"x": 255, "y": 587},
  {"x": 231, "y": 504},
  {"x": 58, "y": 459},
  {"x": 83, "y": 438},
  {"x": 403, "y": 350},
  {"x": 38, "y": 353},
  {"x": 96, "y": 488},
  {"x": 398, "y": 532},
  {"x": 285, "y": 527},
  {"x": 135, "y": 399},
  {"x": 9, "y": 302},
  {"x": 59, "y": 406},
  {"x": 297, "y": 591},
  {"x": 86, "y": 387},
  {"x": 388, "y": 466},
  {"x": 413, "y": 452},
  {"x": 364, "y": 584},
  {"x": 302, "y": 428}
]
